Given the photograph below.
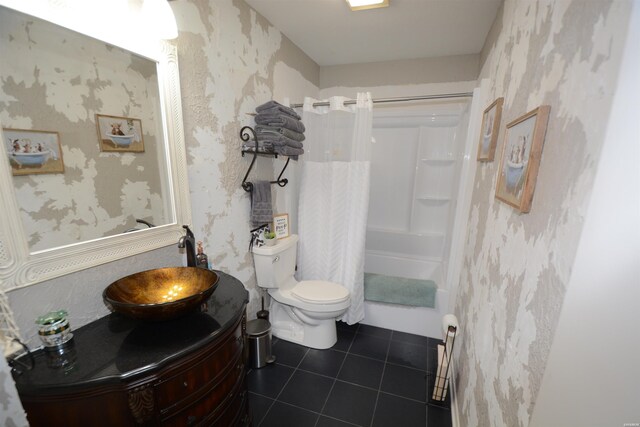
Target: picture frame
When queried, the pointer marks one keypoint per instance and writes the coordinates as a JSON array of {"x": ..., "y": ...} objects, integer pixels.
[
  {"x": 489, "y": 131},
  {"x": 281, "y": 225},
  {"x": 119, "y": 134},
  {"x": 521, "y": 154},
  {"x": 32, "y": 152}
]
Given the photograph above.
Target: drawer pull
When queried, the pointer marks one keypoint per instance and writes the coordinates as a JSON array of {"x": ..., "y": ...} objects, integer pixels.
[{"x": 185, "y": 384}]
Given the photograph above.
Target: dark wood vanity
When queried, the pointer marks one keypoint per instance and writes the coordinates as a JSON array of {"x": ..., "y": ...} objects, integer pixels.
[{"x": 123, "y": 372}]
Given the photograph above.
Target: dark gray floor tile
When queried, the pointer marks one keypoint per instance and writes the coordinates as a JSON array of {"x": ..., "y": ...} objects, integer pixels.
[
  {"x": 351, "y": 403},
  {"x": 306, "y": 390},
  {"x": 325, "y": 362},
  {"x": 270, "y": 380},
  {"x": 432, "y": 360},
  {"x": 393, "y": 411},
  {"x": 374, "y": 331},
  {"x": 288, "y": 353},
  {"x": 406, "y": 354},
  {"x": 258, "y": 406},
  {"x": 438, "y": 417},
  {"x": 283, "y": 415},
  {"x": 405, "y": 382},
  {"x": 362, "y": 371},
  {"x": 331, "y": 422},
  {"x": 344, "y": 326},
  {"x": 369, "y": 346},
  {"x": 433, "y": 342},
  {"x": 410, "y": 338},
  {"x": 345, "y": 337}
]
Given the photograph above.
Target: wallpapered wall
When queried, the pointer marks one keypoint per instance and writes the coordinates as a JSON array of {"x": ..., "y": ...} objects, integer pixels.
[
  {"x": 56, "y": 80},
  {"x": 517, "y": 266},
  {"x": 231, "y": 60}
]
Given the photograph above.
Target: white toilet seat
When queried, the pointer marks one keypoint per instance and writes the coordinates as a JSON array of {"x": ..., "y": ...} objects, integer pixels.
[
  {"x": 311, "y": 299},
  {"x": 320, "y": 292}
]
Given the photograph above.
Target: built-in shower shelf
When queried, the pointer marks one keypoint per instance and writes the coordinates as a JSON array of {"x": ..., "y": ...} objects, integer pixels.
[
  {"x": 436, "y": 160},
  {"x": 439, "y": 199}
]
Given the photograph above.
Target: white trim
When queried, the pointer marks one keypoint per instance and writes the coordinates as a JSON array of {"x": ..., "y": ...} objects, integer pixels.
[
  {"x": 465, "y": 193},
  {"x": 455, "y": 414}
]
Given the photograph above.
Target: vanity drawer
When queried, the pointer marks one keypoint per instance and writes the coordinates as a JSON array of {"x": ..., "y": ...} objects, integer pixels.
[
  {"x": 178, "y": 390},
  {"x": 215, "y": 403}
]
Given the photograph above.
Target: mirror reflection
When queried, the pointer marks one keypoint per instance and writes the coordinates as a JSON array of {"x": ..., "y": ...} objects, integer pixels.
[{"x": 82, "y": 130}]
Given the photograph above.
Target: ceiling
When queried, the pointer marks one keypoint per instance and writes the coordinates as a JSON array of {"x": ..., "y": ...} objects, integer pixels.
[{"x": 331, "y": 34}]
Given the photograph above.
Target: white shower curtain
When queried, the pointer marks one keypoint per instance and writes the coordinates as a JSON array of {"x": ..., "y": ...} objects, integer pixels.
[{"x": 334, "y": 196}]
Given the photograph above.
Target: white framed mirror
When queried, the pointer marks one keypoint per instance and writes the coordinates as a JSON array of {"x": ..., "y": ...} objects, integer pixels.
[{"x": 34, "y": 244}]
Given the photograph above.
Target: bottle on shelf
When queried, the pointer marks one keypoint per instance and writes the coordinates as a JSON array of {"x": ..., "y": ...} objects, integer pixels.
[{"x": 202, "y": 260}]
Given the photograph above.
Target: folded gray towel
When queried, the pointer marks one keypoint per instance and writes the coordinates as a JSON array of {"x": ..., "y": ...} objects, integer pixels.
[
  {"x": 280, "y": 120},
  {"x": 261, "y": 210},
  {"x": 279, "y": 140},
  {"x": 262, "y": 129},
  {"x": 275, "y": 106},
  {"x": 263, "y": 147},
  {"x": 285, "y": 150}
]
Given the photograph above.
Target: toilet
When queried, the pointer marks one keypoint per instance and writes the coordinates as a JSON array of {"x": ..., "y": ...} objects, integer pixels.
[{"x": 301, "y": 312}]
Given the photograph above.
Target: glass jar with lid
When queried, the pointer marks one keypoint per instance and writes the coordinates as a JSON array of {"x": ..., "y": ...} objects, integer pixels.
[{"x": 54, "y": 329}]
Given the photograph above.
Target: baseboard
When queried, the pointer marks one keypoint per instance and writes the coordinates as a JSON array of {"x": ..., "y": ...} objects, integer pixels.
[{"x": 455, "y": 416}]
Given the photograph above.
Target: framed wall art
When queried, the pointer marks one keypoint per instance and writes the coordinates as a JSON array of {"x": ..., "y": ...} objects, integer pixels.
[
  {"x": 119, "y": 134},
  {"x": 521, "y": 156},
  {"x": 490, "y": 129},
  {"x": 33, "y": 151},
  {"x": 281, "y": 225}
]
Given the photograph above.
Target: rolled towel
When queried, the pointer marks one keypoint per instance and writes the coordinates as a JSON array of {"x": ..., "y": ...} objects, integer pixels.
[
  {"x": 277, "y": 107},
  {"x": 279, "y": 140},
  {"x": 280, "y": 120},
  {"x": 262, "y": 129},
  {"x": 261, "y": 210}
]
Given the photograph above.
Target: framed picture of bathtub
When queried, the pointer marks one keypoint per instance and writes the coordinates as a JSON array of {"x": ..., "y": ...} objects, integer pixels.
[
  {"x": 521, "y": 156},
  {"x": 33, "y": 151},
  {"x": 119, "y": 134},
  {"x": 490, "y": 128}
]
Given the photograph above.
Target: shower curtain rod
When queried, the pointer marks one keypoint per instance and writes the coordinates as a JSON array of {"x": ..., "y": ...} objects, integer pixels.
[{"x": 398, "y": 99}]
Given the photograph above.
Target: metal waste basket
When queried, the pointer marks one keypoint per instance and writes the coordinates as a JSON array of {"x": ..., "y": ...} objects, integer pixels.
[{"x": 259, "y": 335}]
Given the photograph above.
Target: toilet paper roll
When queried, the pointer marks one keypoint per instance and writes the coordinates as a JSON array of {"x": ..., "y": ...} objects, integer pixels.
[{"x": 448, "y": 320}]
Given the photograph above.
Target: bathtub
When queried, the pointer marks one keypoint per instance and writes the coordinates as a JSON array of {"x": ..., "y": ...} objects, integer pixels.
[{"x": 392, "y": 253}]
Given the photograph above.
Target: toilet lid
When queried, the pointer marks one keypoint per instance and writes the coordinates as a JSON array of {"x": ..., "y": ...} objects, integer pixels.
[{"x": 320, "y": 291}]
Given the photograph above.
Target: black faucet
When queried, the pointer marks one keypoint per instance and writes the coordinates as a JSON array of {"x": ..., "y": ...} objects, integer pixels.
[{"x": 188, "y": 242}]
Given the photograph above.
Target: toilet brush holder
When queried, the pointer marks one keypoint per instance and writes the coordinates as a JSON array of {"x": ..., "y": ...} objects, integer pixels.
[{"x": 263, "y": 314}]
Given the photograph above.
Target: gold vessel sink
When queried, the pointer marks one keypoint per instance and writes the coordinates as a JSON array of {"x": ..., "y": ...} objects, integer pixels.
[{"x": 160, "y": 294}]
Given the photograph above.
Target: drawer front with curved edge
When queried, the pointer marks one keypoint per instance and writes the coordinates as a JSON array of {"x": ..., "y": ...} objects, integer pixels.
[
  {"x": 235, "y": 414},
  {"x": 211, "y": 405},
  {"x": 179, "y": 390}
]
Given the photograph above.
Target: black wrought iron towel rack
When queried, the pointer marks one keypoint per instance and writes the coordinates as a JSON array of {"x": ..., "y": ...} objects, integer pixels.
[{"x": 245, "y": 134}]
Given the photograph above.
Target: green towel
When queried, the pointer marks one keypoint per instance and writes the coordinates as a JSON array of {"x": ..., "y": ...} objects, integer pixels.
[{"x": 400, "y": 290}]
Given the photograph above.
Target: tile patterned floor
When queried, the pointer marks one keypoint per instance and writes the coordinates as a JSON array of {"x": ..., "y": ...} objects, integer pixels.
[{"x": 372, "y": 377}]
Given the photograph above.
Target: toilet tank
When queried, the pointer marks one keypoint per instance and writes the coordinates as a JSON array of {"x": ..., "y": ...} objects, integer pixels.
[{"x": 276, "y": 264}]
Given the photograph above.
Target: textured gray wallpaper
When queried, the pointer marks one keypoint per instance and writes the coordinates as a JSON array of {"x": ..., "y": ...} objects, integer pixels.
[{"x": 516, "y": 266}]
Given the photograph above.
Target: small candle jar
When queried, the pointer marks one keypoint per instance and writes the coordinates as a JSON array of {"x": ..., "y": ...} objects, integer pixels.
[{"x": 54, "y": 329}]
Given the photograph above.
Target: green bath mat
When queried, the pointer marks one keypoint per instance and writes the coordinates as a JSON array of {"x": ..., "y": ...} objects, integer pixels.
[{"x": 399, "y": 290}]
